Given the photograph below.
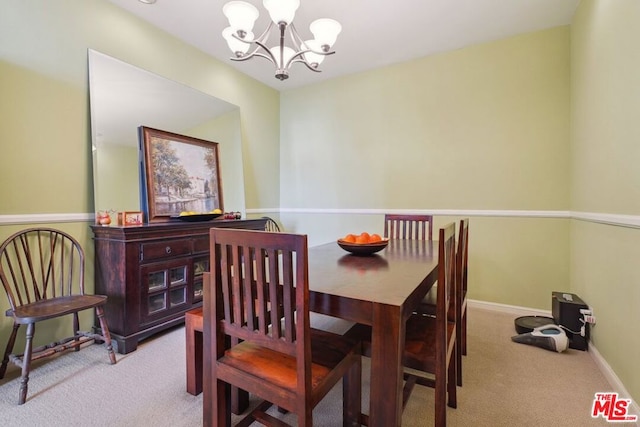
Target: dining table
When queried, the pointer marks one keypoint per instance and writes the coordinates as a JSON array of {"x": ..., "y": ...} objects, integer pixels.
[{"x": 380, "y": 290}]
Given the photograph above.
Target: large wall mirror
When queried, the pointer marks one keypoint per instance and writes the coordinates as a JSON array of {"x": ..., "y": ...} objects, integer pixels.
[{"x": 124, "y": 97}]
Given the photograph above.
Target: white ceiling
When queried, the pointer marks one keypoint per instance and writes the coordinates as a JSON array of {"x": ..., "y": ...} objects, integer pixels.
[{"x": 374, "y": 33}]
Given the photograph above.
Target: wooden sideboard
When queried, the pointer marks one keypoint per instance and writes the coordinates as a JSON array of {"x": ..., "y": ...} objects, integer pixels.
[{"x": 152, "y": 274}]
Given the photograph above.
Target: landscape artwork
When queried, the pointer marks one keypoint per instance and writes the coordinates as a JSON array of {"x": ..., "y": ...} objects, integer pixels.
[{"x": 180, "y": 174}]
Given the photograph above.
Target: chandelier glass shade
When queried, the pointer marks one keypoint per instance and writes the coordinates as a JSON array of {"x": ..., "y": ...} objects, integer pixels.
[{"x": 244, "y": 45}]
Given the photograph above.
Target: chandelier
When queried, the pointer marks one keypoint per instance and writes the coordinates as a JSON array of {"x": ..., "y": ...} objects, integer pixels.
[{"x": 244, "y": 45}]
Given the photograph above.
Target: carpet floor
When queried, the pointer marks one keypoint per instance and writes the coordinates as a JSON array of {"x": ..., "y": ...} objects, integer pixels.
[{"x": 505, "y": 384}]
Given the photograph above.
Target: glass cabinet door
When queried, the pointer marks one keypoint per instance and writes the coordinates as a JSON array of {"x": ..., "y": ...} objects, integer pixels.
[
  {"x": 164, "y": 287},
  {"x": 200, "y": 265},
  {"x": 157, "y": 280}
]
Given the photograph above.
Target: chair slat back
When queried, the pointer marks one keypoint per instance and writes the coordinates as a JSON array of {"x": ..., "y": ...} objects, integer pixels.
[
  {"x": 271, "y": 225},
  {"x": 462, "y": 256},
  {"x": 446, "y": 294},
  {"x": 417, "y": 227},
  {"x": 261, "y": 288},
  {"x": 40, "y": 263}
]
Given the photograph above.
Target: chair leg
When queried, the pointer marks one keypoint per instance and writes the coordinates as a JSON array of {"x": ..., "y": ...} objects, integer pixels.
[
  {"x": 9, "y": 349},
  {"x": 26, "y": 363},
  {"x": 304, "y": 412},
  {"x": 239, "y": 397},
  {"x": 440, "y": 398},
  {"x": 305, "y": 417},
  {"x": 105, "y": 333},
  {"x": 194, "y": 351},
  {"x": 352, "y": 395},
  {"x": 445, "y": 388},
  {"x": 217, "y": 411},
  {"x": 464, "y": 333},
  {"x": 452, "y": 397},
  {"x": 76, "y": 328},
  {"x": 458, "y": 355}
]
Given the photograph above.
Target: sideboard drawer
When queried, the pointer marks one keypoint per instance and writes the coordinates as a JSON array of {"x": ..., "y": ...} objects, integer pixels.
[
  {"x": 170, "y": 248},
  {"x": 201, "y": 244}
]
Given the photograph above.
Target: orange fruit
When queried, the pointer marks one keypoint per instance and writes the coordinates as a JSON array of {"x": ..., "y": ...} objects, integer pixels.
[
  {"x": 375, "y": 238},
  {"x": 363, "y": 237},
  {"x": 349, "y": 238}
]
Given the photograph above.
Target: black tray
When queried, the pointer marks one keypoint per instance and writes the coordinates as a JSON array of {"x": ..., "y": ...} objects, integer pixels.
[{"x": 197, "y": 217}]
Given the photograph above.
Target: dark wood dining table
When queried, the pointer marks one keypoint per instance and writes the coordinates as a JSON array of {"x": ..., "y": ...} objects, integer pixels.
[{"x": 380, "y": 290}]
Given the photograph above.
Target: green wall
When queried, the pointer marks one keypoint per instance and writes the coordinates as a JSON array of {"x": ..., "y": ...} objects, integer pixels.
[
  {"x": 491, "y": 119},
  {"x": 605, "y": 148},
  {"x": 484, "y": 128}
]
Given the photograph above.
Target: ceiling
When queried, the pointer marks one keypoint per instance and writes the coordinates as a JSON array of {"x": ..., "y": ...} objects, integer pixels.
[{"x": 375, "y": 33}]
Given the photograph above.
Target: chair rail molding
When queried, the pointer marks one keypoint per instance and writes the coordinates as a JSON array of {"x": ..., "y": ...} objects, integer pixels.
[
  {"x": 445, "y": 212},
  {"x": 49, "y": 218},
  {"x": 631, "y": 221}
]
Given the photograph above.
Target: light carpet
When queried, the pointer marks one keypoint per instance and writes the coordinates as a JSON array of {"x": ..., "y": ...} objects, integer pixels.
[{"x": 505, "y": 384}]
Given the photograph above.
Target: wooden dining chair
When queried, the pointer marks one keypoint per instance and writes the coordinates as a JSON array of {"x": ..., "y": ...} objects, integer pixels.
[
  {"x": 42, "y": 271},
  {"x": 419, "y": 227},
  {"x": 428, "y": 305},
  {"x": 271, "y": 224},
  {"x": 462, "y": 260},
  {"x": 276, "y": 355},
  {"x": 430, "y": 341}
]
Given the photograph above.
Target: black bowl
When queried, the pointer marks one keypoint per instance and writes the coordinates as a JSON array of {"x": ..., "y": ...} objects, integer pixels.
[
  {"x": 363, "y": 248},
  {"x": 198, "y": 217}
]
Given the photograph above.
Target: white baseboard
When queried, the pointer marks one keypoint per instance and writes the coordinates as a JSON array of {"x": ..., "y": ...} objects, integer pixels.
[
  {"x": 512, "y": 309},
  {"x": 613, "y": 379},
  {"x": 600, "y": 362}
]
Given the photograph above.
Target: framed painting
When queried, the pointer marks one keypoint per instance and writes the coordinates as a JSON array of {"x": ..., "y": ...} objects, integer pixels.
[
  {"x": 179, "y": 174},
  {"x": 128, "y": 219}
]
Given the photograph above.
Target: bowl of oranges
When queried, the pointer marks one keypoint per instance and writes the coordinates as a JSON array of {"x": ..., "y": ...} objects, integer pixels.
[{"x": 363, "y": 243}]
